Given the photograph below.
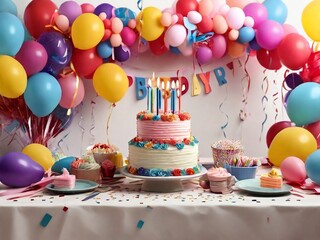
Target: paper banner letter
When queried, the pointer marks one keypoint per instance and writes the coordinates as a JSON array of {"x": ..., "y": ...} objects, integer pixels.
[
  {"x": 220, "y": 75},
  {"x": 205, "y": 79},
  {"x": 141, "y": 88},
  {"x": 196, "y": 89}
]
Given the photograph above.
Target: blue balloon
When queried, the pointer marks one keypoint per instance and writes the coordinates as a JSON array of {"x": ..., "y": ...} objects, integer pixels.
[
  {"x": 313, "y": 166},
  {"x": 125, "y": 15},
  {"x": 43, "y": 94},
  {"x": 8, "y": 6},
  {"x": 11, "y": 34},
  {"x": 303, "y": 104},
  {"x": 62, "y": 163},
  {"x": 277, "y": 10},
  {"x": 104, "y": 49},
  {"x": 246, "y": 34}
]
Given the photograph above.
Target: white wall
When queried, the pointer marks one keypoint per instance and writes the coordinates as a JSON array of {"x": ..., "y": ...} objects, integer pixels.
[{"x": 207, "y": 117}]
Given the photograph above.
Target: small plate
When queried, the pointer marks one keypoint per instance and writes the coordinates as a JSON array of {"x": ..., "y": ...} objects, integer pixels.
[
  {"x": 81, "y": 186},
  {"x": 252, "y": 186}
]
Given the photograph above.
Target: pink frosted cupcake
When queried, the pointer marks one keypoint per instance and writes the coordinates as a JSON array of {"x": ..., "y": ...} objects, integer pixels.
[
  {"x": 220, "y": 180},
  {"x": 86, "y": 168}
]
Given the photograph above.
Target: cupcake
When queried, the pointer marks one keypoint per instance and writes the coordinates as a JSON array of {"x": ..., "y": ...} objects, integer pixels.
[
  {"x": 220, "y": 180},
  {"x": 86, "y": 168},
  {"x": 108, "y": 169},
  {"x": 103, "y": 152}
]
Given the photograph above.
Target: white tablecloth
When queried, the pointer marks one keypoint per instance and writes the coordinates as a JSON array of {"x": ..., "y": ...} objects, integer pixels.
[{"x": 126, "y": 212}]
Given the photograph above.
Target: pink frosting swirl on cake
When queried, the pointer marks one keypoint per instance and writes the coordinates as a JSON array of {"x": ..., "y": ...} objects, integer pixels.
[{"x": 218, "y": 174}]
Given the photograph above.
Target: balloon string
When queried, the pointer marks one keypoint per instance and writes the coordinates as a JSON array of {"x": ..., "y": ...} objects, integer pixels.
[
  {"x": 264, "y": 101},
  {"x": 245, "y": 91},
  {"x": 80, "y": 124},
  {"x": 108, "y": 121},
  {"x": 223, "y": 127},
  {"x": 92, "y": 139},
  {"x": 274, "y": 100},
  {"x": 140, "y": 4},
  {"x": 76, "y": 90}
]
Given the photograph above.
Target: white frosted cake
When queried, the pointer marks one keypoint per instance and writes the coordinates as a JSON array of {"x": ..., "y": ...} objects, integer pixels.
[{"x": 164, "y": 146}]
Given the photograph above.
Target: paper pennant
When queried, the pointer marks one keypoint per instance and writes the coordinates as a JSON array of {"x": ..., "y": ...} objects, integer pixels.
[
  {"x": 205, "y": 78},
  {"x": 196, "y": 89}
]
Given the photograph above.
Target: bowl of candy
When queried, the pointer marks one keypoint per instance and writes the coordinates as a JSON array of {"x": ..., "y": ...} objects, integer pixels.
[{"x": 243, "y": 167}]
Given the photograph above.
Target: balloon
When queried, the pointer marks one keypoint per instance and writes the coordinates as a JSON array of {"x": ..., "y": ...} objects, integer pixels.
[
  {"x": 59, "y": 50},
  {"x": 157, "y": 46},
  {"x": 106, "y": 8},
  {"x": 71, "y": 10},
  {"x": 235, "y": 18},
  {"x": 220, "y": 25},
  {"x": 293, "y": 80},
  {"x": 175, "y": 35},
  {"x": 291, "y": 141},
  {"x": 87, "y": 8},
  {"x": 13, "y": 77},
  {"x": 246, "y": 34},
  {"x": 8, "y": 6},
  {"x": 239, "y": 3},
  {"x": 87, "y": 31},
  {"x": 310, "y": 19},
  {"x": 236, "y": 49},
  {"x": 294, "y": 51},
  {"x": 121, "y": 53},
  {"x": 269, "y": 34},
  {"x": 128, "y": 36},
  {"x": 194, "y": 17},
  {"x": 206, "y": 24},
  {"x": 277, "y": 10},
  {"x": 313, "y": 166},
  {"x": 166, "y": 19},
  {"x": 149, "y": 23},
  {"x": 63, "y": 163},
  {"x": 115, "y": 40},
  {"x": 275, "y": 129},
  {"x": 72, "y": 89},
  {"x": 185, "y": 48},
  {"x": 33, "y": 57},
  {"x": 85, "y": 62},
  {"x": 64, "y": 116},
  {"x": 40, "y": 154},
  {"x": 185, "y": 6},
  {"x": 216, "y": 7},
  {"x": 43, "y": 94},
  {"x": 38, "y": 15},
  {"x": 104, "y": 50},
  {"x": 125, "y": 14},
  {"x": 19, "y": 170},
  {"x": 218, "y": 46},
  {"x": 269, "y": 59},
  {"x": 303, "y": 105},
  {"x": 110, "y": 82},
  {"x": 206, "y": 7},
  {"x": 203, "y": 55},
  {"x": 11, "y": 34},
  {"x": 116, "y": 25},
  {"x": 257, "y": 11},
  {"x": 287, "y": 28},
  {"x": 314, "y": 128},
  {"x": 293, "y": 170},
  {"x": 62, "y": 22}
]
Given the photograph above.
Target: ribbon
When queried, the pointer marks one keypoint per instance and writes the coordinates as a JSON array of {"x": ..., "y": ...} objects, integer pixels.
[
  {"x": 243, "y": 113},
  {"x": 108, "y": 121},
  {"x": 224, "y": 126},
  {"x": 92, "y": 127},
  {"x": 140, "y": 4},
  {"x": 264, "y": 100}
]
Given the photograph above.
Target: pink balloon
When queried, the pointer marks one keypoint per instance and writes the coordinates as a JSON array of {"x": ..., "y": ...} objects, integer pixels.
[
  {"x": 72, "y": 91},
  {"x": 128, "y": 36},
  {"x": 175, "y": 35},
  {"x": 216, "y": 7},
  {"x": 32, "y": 56},
  {"x": 87, "y": 8},
  {"x": 116, "y": 25},
  {"x": 115, "y": 40},
  {"x": 203, "y": 54},
  {"x": 218, "y": 46},
  {"x": 235, "y": 18},
  {"x": 293, "y": 170},
  {"x": 269, "y": 34},
  {"x": 166, "y": 19},
  {"x": 62, "y": 23},
  {"x": 257, "y": 11},
  {"x": 289, "y": 29}
]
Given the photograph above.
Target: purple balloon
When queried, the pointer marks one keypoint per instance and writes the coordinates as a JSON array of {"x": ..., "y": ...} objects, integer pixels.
[
  {"x": 71, "y": 10},
  {"x": 106, "y": 8},
  {"x": 293, "y": 80},
  {"x": 269, "y": 34},
  {"x": 32, "y": 56},
  {"x": 204, "y": 55},
  {"x": 19, "y": 170},
  {"x": 59, "y": 50},
  {"x": 122, "y": 53}
]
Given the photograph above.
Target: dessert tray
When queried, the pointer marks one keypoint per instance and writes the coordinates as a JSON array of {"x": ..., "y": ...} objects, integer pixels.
[
  {"x": 252, "y": 186},
  {"x": 162, "y": 184},
  {"x": 81, "y": 186}
]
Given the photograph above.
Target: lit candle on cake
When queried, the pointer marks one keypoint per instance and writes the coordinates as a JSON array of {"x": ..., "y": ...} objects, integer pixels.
[
  {"x": 149, "y": 95},
  {"x": 173, "y": 97},
  {"x": 158, "y": 96},
  {"x": 178, "y": 85},
  {"x": 165, "y": 86}
]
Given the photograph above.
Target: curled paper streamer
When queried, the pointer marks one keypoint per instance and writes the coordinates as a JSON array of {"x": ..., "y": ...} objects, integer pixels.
[
  {"x": 245, "y": 90},
  {"x": 92, "y": 127},
  {"x": 274, "y": 100},
  {"x": 264, "y": 100},
  {"x": 80, "y": 124},
  {"x": 224, "y": 126},
  {"x": 112, "y": 105},
  {"x": 140, "y": 4}
]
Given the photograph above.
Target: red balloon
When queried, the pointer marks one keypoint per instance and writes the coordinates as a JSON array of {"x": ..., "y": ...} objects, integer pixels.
[
  {"x": 269, "y": 59},
  {"x": 294, "y": 51},
  {"x": 205, "y": 25},
  {"x": 185, "y": 6},
  {"x": 157, "y": 46},
  {"x": 314, "y": 128},
  {"x": 37, "y": 15},
  {"x": 275, "y": 129},
  {"x": 86, "y": 62}
]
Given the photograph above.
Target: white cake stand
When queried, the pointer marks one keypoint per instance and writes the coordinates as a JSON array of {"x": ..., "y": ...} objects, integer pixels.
[{"x": 162, "y": 184}]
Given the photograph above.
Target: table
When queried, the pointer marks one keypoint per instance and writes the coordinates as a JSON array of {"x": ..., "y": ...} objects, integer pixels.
[{"x": 126, "y": 212}]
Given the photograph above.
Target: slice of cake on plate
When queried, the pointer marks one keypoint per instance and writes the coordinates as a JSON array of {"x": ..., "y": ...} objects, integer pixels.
[
  {"x": 271, "y": 180},
  {"x": 65, "y": 180}
]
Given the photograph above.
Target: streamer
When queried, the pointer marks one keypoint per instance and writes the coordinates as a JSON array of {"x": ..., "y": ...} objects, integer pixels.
[
  {"x": 224, "y": 126},
  {"x": 112, "y": 105},
  {"x": 264, "y": 101},
  {"x": 245, "y": 90},
  {"x": 92, "y": 127}
]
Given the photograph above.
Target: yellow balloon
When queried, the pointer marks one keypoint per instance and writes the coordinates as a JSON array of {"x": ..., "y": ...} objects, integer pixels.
[
  {"x": 110, "y": 82},
  {"x": 40, "y": 154},
  {"x": 291, "y": 141},
  {"x": 149, "y": 23},
  {"x": 87, "y": 31},
  {"x": 13, "y": 77},
  {"x": 310, "y": 20}
]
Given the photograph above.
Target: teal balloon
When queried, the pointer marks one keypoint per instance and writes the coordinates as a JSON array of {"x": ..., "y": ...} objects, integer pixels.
[
  {"x": 62, "y": 163},
  {"x": 277, "y": 10},
  {"x": 303, "y": 104},
  {"x": 104, "y": 49},
  {"x": 43, "y": 94},
  {"x": 124, "y": 14},
  {"x": 11, "y": 34},
  {"x": 313, "y": 166},
  {"x": 8, "y": 6}
]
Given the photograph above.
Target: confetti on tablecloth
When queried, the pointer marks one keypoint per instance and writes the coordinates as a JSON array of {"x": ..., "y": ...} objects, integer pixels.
[{"x": 45, "y": 220}]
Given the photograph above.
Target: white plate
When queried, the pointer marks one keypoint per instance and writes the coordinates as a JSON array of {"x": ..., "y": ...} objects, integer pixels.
[
  {"x": 81, "y": 186},
  {"x": 252, "y": 186}
]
